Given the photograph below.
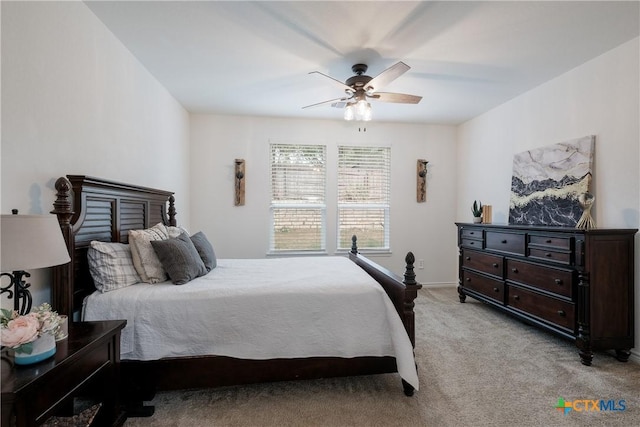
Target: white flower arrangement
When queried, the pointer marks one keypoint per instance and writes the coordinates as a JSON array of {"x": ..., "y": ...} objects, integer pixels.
[{"x": 20, "y": 331}]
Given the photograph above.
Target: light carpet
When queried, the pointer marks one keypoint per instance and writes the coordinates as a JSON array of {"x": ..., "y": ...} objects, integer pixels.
[{"x": 477, "y": 367}]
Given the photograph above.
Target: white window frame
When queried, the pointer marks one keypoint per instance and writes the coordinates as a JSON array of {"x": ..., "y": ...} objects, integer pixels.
[
  {"x": 320, "y": 206},
  {"x": 385, "y": 207}
]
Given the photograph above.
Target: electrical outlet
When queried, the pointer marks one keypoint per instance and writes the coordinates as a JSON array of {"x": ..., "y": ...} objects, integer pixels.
[{"x": 420, "y": 264}]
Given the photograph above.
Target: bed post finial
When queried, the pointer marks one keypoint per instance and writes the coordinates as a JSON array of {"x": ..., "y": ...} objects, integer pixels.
[
  {"x": 172, "y": 211},
  {"x": 354, "y": 244},
  {"x": 62, "y": 289},
  {"x": 409, "y": 275},
  {"x": 62, "y": 205}
]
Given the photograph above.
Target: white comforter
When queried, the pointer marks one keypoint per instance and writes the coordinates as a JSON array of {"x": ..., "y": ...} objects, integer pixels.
[{"x": 261, "y": 309}]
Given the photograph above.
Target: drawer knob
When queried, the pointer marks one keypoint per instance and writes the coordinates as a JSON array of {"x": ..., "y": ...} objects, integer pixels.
[
  {"x": 468, "y": 279},
  {"x": 548, "y": 254},
  {"x": 468, "y": 258},
  {"x": 495, "y": 264},
  {"x": 549, "y": 241},
  {"x": 504, "y": 241},
  {"x": 561, "y": 313},
  {"x": 496, "y": 289},
  {"x": 515, "y": 270},
  {"x": 472, "y": 233},
  {"x": 472, "y": 243},
  {"x": 558, "y": 281},
  {"x": 516, "y": 297}
]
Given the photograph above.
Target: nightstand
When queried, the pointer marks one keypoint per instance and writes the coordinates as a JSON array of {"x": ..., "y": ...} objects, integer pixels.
[{"x": 85, "y": 363}]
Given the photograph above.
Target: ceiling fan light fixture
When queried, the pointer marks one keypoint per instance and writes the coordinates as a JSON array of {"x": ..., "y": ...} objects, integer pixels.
[
  {"x": 349, "y": 113},
  {"x": 367, "y": 113},
  {"x": 361, "y": 108},
  {"x": 360, "y": 111}
]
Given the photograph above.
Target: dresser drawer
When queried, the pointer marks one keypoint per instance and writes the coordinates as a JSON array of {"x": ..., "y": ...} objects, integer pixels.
[
  {"x": 545, "y": 254},
  {"x": 488, "y": 287},
  {"x": 471, "y": 233},
  {"x": 505, "y": 242},
  {"x": 470, "y": 243},
  {"x": 486, "y": 263},
  {"x": 558, "y": 312},
  {"x": 551, "y": 242},
  {"x": 549, "y": 279}
]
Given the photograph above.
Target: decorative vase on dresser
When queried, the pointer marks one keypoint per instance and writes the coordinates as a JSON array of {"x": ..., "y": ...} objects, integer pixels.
[{"x": 575, "y": 283}]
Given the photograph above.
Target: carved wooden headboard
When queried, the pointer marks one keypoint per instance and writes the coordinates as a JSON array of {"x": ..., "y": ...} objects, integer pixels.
[{"x": 96, "y": 209}]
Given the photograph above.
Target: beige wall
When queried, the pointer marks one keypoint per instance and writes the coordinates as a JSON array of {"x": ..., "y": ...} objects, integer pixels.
[
  {"x": 75, "y": 101},
  {"x": 427, "y": 229}
]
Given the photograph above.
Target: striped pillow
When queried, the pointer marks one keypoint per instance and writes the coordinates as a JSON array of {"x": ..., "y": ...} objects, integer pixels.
[
  {"x": 145, "y": 259},
  {"x": 111, "y": 265}
]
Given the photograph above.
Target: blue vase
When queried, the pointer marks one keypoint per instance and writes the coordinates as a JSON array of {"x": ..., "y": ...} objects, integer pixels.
[{"x": 43, "y": 348}]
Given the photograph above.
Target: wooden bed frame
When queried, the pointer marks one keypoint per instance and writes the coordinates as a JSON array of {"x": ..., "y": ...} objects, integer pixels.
[{"x": 96, "y": 209}]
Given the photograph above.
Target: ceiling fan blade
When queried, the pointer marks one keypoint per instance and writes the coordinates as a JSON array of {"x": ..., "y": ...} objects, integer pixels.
[
  {"x": 334, "y": 103},
  {"x": 387, "y": 76},
  {"x": 336, "y": 82},
  {"x": 341, "y": 104},
  {"x": 398, "y": 98}
]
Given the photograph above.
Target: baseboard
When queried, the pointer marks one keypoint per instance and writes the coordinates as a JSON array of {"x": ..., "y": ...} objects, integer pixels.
[
  {"x": 635, "y": 355},
  {"x": 439, "y": 284}
]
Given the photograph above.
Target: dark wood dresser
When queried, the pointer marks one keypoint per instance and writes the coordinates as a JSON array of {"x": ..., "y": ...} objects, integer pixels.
[{"x": 575, "y": 283}]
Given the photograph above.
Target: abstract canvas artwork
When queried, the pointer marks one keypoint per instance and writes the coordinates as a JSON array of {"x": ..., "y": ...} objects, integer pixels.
[{"x": 547, "y": 182}]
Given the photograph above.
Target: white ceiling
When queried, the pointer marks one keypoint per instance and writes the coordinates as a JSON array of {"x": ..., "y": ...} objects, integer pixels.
[{"x": 239, "y": 57}]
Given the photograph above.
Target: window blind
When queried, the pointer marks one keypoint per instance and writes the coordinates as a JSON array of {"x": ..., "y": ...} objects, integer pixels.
[
  {"x": 364, "y": 194},
  {"x": 298, "y": 207}
]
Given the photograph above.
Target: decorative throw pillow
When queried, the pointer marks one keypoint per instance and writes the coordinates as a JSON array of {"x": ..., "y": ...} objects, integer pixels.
[
  {"x": 179, "y": 258},
  {"x": 205, "y": 250},
  {"x": 176, "y": 231},
  {"x": 111, "y": 265},
  {"x": 145, "y": 259}
]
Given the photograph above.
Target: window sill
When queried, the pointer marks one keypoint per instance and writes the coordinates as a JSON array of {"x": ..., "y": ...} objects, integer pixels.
[
  {"x": 283, "y": 254},
  {"x": 377, "y": 252}
]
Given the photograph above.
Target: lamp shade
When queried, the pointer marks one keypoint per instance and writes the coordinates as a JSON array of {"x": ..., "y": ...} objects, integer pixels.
[{"x": 30, "y": 242}]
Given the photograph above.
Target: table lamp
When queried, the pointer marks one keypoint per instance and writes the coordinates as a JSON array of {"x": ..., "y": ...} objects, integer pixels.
[{"x": 28, "y": 242}]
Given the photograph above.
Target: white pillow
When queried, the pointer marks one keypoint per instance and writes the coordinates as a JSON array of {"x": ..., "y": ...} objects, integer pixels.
[
  {"x": 145, "y": 260},
  {"x": 111, "y": 265},
  {"x": 174, "y": 232}
]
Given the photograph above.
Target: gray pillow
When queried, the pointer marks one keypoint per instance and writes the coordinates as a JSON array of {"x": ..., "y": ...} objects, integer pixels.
[
  {"x": 204, "y": 248},
  {"x": 179, "y": 258}
]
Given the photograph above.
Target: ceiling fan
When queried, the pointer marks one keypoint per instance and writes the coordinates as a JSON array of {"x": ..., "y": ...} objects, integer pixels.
[{"x": 361, "y": 88}]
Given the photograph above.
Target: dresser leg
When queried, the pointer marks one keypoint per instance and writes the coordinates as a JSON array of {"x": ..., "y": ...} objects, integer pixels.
[
  {"x": 461, "y": 294},
  {"x": 623, "y": 355}
]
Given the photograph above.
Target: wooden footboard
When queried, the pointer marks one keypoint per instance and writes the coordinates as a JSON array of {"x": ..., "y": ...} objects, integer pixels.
[
  {"x": 95, "y": 209},
  {"x": 401, "y": 292}
]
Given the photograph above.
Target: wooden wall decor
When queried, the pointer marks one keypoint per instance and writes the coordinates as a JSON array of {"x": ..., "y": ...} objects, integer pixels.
[
  {"x": 421, "y": 190},
  {"x": 239, "y": 180}
]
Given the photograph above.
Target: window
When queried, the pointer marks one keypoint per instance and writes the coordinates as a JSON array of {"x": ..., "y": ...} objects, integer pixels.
[
  {"x": 364, "y": 175},
  {"x": 298, "y": 209}
]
